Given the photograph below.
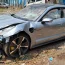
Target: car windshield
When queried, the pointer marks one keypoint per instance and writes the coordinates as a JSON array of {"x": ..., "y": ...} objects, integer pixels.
[{"x": 31, "y": 12}]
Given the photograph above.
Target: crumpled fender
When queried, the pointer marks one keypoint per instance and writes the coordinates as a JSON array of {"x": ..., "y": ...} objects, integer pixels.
[{"x": 18, "y": 28}]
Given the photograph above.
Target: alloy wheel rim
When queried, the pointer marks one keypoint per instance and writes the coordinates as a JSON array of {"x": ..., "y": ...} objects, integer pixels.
[{"x": 18, "y": 46}]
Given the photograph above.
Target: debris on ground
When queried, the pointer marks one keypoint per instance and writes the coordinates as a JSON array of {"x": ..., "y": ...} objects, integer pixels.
[{"x": 51, "y": 59}]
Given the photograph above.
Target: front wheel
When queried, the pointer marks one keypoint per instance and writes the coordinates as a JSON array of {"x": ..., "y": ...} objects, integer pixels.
[{"x": 17, "y": 46}]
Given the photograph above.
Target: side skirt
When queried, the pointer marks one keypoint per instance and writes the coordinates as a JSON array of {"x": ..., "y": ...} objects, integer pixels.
[{"x": 52, "y": 41}]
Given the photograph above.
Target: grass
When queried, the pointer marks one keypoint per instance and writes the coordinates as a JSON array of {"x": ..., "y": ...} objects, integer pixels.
[
  {"x": 2, "y": 9},
  {"x": 10, "y": 10}
]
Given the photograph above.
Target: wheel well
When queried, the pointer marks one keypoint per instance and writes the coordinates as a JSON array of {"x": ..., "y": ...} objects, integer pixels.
[{"x": 23, "y": 32}]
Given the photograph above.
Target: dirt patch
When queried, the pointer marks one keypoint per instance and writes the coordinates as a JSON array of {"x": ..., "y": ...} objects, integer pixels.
[
  {"x": 61, "y": 56},
  {"x": 41, "y": 55},
  {"x": 10, "y": 10}
]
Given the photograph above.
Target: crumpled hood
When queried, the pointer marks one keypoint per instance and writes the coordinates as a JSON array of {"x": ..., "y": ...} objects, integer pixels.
[{"x": 6, "y": 20}]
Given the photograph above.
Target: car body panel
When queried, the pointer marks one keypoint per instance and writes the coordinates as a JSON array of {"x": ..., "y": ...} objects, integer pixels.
[
  {"x": 50, "y": 30},
  {"x": 7, "y": 20}
]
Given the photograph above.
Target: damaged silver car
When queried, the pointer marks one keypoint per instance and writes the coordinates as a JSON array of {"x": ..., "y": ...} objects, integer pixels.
[{"x": 33, "y": 26}]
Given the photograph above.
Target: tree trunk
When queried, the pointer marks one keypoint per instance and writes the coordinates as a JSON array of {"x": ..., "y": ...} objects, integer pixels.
[{"x": 54, "y": 1}]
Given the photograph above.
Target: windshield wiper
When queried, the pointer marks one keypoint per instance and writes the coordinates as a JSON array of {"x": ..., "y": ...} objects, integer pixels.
[{"x": 19, "y": 17}]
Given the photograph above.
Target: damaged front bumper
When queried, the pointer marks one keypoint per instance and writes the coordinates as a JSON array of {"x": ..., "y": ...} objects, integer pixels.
[{"x": 2, "y": 41}]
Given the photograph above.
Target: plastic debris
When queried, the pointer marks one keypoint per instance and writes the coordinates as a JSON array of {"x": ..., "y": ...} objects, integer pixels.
[{"x": 51, "y": 59}]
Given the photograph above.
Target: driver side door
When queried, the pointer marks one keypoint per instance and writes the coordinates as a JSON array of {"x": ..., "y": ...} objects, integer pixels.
[{"x": 50, "y": 29}]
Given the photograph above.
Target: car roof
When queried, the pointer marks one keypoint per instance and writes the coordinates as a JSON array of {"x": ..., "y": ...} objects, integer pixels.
[{"x": 47, "y": 5}]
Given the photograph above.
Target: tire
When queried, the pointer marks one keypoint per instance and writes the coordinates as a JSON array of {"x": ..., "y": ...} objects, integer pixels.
[{"x": 17, "y": 46}]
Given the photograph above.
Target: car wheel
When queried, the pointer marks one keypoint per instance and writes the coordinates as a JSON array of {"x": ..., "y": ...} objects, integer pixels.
[{"x": 17, "y": 46}]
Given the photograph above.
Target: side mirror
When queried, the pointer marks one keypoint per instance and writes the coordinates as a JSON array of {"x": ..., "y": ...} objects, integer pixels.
[{"x": 46, "y": 20}]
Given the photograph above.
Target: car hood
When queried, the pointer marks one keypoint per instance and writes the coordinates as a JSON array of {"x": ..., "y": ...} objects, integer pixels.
[{"x": 7, "y": 20}]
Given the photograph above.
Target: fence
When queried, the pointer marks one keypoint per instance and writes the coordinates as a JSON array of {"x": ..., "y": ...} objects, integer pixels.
[{"x": 15, "y": 2}]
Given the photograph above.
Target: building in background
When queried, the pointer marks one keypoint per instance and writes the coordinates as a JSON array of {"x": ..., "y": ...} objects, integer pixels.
[
  {"x": 25, "y": 2},
  {"x": 15, "y": 2},
  {"x": 51, "y": 1},
  {"x": 55, "y": 1},
  {"x": 20, "y": 2},
  {"x": 31, "y": 1},
  {"x": 64, "y": 2}
]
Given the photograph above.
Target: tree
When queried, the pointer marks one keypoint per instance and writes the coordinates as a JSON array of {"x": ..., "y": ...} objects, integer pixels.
[{"x": 54, "y": 1}]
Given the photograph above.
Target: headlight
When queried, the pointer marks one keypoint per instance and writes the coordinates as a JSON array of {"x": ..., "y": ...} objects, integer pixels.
[
  {"x": 6, "y": 29},
  {"x": 1, "y": 37}
]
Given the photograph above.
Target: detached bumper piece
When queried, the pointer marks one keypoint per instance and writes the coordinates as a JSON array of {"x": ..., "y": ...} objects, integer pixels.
[{"x": 1, "y": 54}]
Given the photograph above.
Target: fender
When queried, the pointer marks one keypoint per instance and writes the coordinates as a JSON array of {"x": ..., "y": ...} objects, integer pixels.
[{"x": 18, "y": 28}]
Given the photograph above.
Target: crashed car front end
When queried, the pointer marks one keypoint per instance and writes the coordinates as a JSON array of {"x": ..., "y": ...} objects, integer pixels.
[
  {"x": 9, "y": 27},
  {"x": 2, "y": 41},
  {"x": 3, "y": 32}
]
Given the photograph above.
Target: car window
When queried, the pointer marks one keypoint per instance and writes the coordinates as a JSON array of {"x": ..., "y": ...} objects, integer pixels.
[
  {"x": 64, "y": 12},
  {"x": 31, "y": 12},
  {"x": 54, "y": 14}
]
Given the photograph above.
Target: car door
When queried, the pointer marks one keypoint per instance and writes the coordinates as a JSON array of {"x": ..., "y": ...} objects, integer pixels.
[{"x": 50, "y": 30}]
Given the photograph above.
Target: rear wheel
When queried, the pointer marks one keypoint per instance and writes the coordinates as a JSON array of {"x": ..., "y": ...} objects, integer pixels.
[{"x": 17, "y": 46}]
